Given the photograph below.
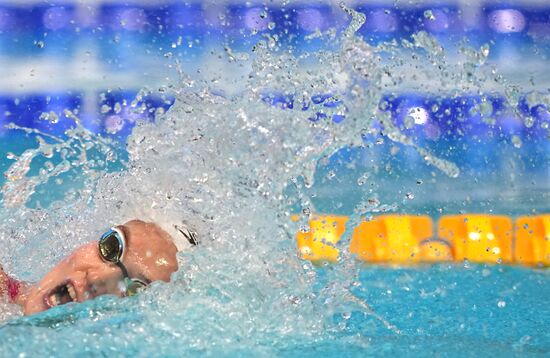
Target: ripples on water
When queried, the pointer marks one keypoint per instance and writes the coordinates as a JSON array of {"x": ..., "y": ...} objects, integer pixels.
[{"x": 224, "y": 164}]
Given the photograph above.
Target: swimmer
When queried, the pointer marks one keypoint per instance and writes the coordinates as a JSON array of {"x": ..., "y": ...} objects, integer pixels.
[{"x": 122, "y": 262}]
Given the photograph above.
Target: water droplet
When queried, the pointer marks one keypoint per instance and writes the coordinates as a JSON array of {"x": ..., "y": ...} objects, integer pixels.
[
  {"x": 394, "y": 150},
  {"x": 47, "y": 151},
  {"x": 516, "y": 141},
  {"x": 51, "y": 117},
  {"x": 486, "y": 107},
  {"x": 159, "y": 111},
  {"x": 428, "y": 14},
  {"x": 529, "y": 121},
  {"x": 525, "y": 339},
  {"x": 363, "y": 179},
  {"x": 409, "y": 122},
  {"x": 484, "y": 50},
  {"x": 39, "y": 44},
  {"x": 105, "y": 109},
  {"x": 409, "y": 196},
  {"x": 501, "y": 304}
]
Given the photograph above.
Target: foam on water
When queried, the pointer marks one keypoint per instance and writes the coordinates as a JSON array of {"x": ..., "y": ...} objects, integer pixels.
[{"x": 221, "y": 164}]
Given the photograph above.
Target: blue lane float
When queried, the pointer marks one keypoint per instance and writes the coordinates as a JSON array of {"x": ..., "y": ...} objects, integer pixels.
[
  {"x": 116, "y": 113},
  {"x": 121, "y": 110},
  {"x": 39, "y": 30},
  {"x": 40, "y": 111},
  {"x": 327, "y": 100},
  {"x": 52, "y": 30}
]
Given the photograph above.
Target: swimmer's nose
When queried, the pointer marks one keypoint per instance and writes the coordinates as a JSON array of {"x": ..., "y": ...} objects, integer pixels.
[{"x": 101, "y": 277}]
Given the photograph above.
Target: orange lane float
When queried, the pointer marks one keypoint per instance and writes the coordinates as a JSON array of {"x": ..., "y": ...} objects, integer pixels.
[
  {"x": 435, "y": 250},
  {"x": 396, "y": 238},
  {"x": 317, "y": 243},
  {"x": 478, "y": 237},
  {"x": 406, "y": 239},
  {"x": 532, "y": 240}
]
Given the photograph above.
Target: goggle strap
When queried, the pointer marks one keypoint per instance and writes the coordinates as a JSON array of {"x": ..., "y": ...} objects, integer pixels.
[{"x": 123, "y": 269}]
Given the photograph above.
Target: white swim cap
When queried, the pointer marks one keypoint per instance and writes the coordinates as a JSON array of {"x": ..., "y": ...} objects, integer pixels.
[{"x": 182, "y": 233}]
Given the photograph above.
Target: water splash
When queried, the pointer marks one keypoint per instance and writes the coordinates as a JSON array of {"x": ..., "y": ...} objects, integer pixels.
[
  {"x": 222, "y": 164},
  {"x": 80, "y": 149}
]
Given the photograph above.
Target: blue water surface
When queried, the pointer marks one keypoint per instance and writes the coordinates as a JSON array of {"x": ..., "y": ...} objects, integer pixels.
[{"x": 448, "y": 310}]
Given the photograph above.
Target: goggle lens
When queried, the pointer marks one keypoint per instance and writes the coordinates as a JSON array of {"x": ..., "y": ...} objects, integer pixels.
[
  {"x": 133, "y": 286},
  {"x": 110, "y": 247}
]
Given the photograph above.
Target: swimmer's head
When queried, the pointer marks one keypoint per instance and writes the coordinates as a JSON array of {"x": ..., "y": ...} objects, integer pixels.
[{"x": 149, "y": 255}]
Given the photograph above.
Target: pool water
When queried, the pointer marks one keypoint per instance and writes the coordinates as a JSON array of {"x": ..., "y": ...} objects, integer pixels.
[
  {"x": 448, "y": 310},
  {"x": 345, "y": 131}
]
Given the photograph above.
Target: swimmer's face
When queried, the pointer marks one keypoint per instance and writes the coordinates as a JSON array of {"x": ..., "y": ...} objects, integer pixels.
[{"x": 149, "y": 255}]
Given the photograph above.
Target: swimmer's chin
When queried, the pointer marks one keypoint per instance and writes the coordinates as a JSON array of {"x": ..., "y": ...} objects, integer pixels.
[
  {"x": 35, "y": 304},
  {"x": 31, "y": 308}
]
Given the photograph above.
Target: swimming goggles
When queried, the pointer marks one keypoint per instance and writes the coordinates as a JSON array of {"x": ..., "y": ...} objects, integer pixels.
[{"x": 111, "y": 249}]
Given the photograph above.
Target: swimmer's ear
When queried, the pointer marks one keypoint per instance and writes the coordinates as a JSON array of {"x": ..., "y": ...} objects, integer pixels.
[{"x": 191, "y": 236}]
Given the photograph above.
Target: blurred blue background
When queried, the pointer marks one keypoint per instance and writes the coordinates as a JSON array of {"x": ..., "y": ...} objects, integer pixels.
[{"x": 93, "y": 57}]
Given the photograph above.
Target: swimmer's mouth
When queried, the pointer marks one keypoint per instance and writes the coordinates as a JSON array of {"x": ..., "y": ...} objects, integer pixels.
[{"x": 61, "y": 295}]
